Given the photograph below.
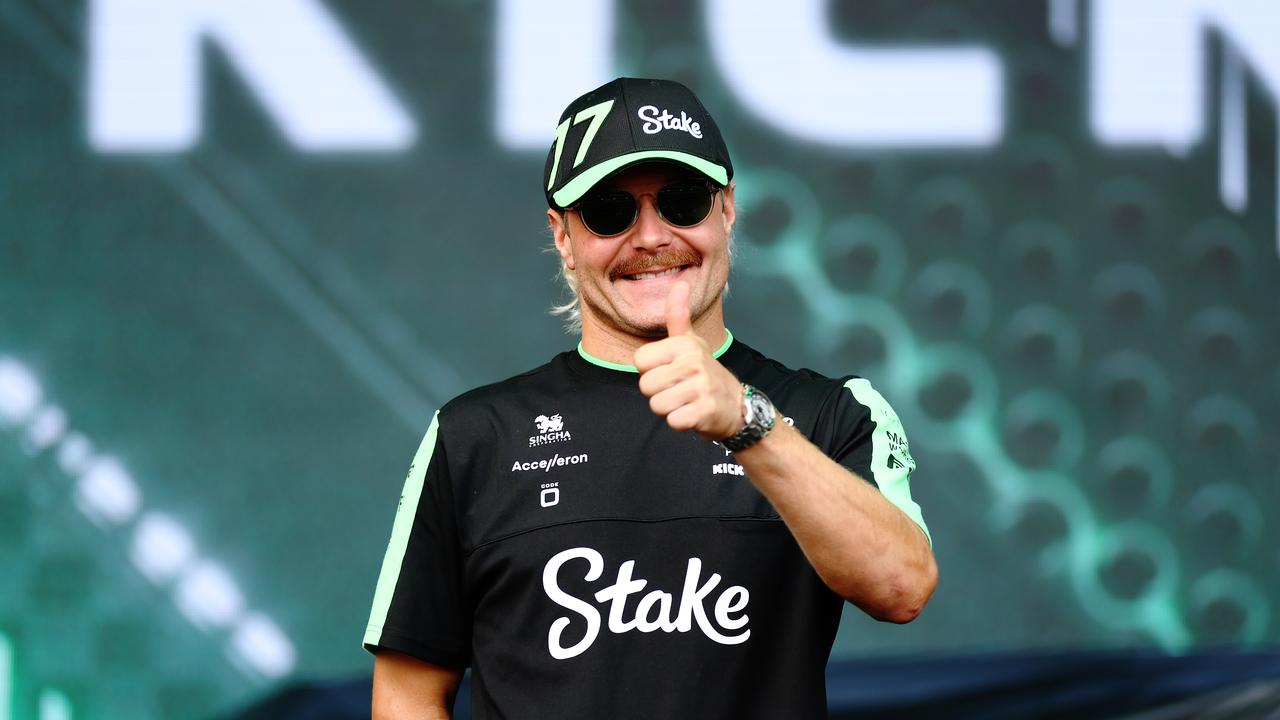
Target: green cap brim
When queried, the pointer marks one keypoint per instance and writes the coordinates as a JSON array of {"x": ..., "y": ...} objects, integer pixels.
[{"x": 577, "y": 187}]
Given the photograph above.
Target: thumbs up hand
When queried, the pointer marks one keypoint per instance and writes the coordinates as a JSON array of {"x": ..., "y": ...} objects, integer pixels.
[{"x": 682, "y": 380}]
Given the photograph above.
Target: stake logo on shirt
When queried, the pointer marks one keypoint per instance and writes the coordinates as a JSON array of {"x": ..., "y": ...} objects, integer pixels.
[{"x": 725, "y": 624}]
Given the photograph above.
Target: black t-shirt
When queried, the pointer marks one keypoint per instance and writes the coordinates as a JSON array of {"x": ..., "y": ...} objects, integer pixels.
[{"x": 586, "y": 561}]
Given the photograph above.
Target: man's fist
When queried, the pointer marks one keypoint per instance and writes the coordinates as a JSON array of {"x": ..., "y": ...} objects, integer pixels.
[{"x": 683, "y": 382}]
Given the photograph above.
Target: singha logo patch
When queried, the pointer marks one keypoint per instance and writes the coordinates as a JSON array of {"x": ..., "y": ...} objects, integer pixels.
[{"x": 550, "y": 430}]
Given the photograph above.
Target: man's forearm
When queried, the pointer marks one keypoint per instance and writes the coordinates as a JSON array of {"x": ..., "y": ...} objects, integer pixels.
[
  {"x": 405, "y": 687},
  {"x": 861, "y": 545}
]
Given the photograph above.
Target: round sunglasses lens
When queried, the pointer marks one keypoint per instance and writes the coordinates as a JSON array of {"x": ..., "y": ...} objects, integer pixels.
[
  {"x": 608, "y": 214},
  {"x": 685, "y": 205}
]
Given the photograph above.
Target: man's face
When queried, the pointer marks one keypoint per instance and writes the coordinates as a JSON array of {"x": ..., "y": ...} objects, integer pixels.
[{"x": 623, "y": 280}]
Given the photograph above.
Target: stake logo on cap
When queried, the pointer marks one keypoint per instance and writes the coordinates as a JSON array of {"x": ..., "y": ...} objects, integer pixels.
[{"x": 629, "y": 121}]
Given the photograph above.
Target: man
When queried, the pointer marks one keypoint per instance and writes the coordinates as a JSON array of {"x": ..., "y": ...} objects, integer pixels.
[{"x": 633, "y": 529}]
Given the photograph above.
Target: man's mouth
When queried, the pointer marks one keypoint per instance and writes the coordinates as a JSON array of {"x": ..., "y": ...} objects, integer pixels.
[{"x": 657, "y": 274}]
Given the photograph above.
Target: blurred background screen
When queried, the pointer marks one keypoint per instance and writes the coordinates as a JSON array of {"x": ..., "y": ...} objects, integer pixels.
[{"x": 247, "y": 247}]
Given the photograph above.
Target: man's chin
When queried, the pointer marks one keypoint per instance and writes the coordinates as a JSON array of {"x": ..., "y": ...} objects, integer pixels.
[
  {"x": 645, "y": 320},
  {"x": 646, "y": 329},
  {"x": 651, "y": 323}
]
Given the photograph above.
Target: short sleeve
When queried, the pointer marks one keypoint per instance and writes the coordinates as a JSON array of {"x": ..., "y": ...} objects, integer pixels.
[
  {"x": 868, "y": 439},
  {"x": 418, "y": 606}
]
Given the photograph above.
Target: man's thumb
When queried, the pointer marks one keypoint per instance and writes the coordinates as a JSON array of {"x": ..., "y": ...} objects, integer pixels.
[{"x": 678, "y": 322}]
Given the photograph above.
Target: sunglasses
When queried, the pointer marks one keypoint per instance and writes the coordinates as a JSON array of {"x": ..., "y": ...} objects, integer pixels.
[{"x": 681, "y": 204}]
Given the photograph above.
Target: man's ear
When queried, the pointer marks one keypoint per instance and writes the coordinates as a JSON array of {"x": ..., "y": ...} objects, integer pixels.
[
  {"x": 559, "y": 222},
  {"x": 730, "y": 210}
]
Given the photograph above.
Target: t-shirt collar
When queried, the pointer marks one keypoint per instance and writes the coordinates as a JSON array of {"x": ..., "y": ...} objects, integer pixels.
[{"x": 728, "y": 340}]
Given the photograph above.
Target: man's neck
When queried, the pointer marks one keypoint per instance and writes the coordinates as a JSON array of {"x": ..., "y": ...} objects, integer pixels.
[{"x": 618, "y": 346}]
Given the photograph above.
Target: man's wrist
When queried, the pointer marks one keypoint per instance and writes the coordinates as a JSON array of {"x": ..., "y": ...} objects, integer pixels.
[{"x": 759, "y": 416}]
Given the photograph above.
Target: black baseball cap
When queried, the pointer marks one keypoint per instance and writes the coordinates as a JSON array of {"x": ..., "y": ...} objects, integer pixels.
[{"x": 629, "y": 121}]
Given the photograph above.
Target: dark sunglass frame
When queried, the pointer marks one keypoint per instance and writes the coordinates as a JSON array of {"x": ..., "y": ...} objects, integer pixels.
[{"x": 667, "y": 193}]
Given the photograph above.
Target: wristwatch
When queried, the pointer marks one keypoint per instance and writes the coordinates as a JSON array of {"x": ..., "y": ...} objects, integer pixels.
[{"x": 759, "y": 415}]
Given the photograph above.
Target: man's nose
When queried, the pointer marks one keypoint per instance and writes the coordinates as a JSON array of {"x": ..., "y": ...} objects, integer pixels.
[{"x": 650, "y": 230}]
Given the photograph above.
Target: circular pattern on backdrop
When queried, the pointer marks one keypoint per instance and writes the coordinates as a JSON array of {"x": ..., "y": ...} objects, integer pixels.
[
  {"x": 1225, "y": 520},
  {"x": 1226, "y": 605},
  {"x": 1221, "y": 423},
  {"x": 1136, "y": 474},
  {"x": 1127, "y": 573},
  {"x": 862, "y": 253},
  {"x": 949, "y": 296},
  {"x": 1129, "y": 210},
  {"x": 1216, "y": 252},
  {"x": 1039, "y": 253},
  {"x": 779, "y": 208},
  {"x": 966, "y": 385},
  {"x": 1220, "y": 338},
  {"x": 875, "y": 321},
  {"x": 1039, "y": 522},
  {"x": 1130, "y": 296},
  {"x": 1134, "y": 563},
  {"x": 944, "y": 210},
  {"x": 862, "y": 345},
  {"x": 1041, "y": 338},
  {"x": 1043, "y": 429},
  {"x": 945, "y": 397},
  {"x": 1132, "y": 387}
]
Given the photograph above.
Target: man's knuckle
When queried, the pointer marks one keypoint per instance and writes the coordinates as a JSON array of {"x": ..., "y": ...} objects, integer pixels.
[{"x": 656, "y": 405}]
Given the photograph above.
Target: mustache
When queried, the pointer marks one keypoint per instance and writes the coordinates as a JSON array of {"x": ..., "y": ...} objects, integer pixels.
[{"x": 657, "y": 261}]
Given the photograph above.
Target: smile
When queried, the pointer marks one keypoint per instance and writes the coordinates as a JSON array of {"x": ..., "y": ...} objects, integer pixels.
[{"x": 656, "y": 274}]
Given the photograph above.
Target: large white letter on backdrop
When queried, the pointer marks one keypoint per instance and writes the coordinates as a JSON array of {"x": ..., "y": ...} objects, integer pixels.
[
  {"x": 548, "y": 54},
  {"x": 782, "y": 61},
  {"x": 146, "y": 79},
  {"x": 1147, "y": 64}
]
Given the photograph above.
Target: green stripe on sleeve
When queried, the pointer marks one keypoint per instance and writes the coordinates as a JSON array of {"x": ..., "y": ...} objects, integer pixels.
[
  {"x": 405, "y": 513},
  {"x": 891, "y": 461}
]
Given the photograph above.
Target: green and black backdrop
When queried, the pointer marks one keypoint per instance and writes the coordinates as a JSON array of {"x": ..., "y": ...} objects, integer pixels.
[{"x": 248, "y": 246}]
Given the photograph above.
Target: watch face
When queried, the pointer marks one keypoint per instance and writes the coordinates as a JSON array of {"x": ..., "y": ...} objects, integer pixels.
[{"x": 760, "y": 411}]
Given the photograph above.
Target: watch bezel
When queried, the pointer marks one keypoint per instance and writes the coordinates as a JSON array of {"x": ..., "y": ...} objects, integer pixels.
[{"x": 759, "y": 417}]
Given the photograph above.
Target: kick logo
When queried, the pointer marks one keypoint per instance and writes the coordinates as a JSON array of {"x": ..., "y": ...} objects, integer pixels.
[
  {"x": 550, "y": 430},
  {"x": 728, "y": 469},
  {"x": 653, "y": 612}
]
